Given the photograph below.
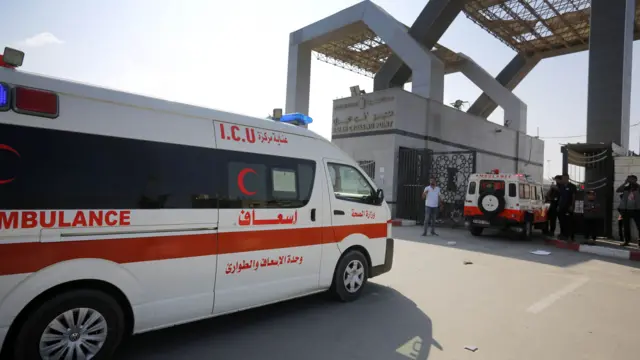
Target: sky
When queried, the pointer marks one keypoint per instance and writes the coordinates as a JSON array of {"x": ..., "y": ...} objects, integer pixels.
[{"x": 232, "y": 56}]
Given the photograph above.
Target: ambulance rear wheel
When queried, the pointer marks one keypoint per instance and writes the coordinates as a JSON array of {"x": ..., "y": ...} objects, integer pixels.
[
  {"x": 351, "y": 276},
  {"x": 527, "y": 230},
  {"x": 77, "y": 324},
  {"x": 476, "y": 230}
]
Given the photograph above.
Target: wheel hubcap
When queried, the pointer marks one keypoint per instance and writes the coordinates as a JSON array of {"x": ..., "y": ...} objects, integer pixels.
[
  {"x": 77, "y": 334},
  {"x": 354, "y": 276}
]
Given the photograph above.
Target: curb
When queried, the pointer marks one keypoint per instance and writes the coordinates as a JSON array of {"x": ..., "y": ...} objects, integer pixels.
[
  {"x": 403, "y": 222},
  {"x": 596, "y": 250}
]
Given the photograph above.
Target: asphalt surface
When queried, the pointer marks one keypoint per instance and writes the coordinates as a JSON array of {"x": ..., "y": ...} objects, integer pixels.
[{"x": 488, "y": 292}]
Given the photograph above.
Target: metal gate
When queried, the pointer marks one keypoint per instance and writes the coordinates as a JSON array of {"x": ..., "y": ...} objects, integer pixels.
[
  {"x": 413, "y": 176},
  {"x": 591, "y": 167},
  {"x": 450, "y": 169}
]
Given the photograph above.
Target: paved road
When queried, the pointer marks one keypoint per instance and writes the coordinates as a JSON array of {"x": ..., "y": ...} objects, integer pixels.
[{"x": 508, "y": 303}]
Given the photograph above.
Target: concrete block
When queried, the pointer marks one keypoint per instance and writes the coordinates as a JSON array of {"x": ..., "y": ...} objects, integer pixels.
[
  {"x": 623, "y": 160},
  {"x": 634, "y": 170},
  {"x": 619, "y": 171},
  {"x": 619, "y": 177}
]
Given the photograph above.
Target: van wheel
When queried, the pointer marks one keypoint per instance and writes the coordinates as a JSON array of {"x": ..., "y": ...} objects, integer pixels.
[
  {"x": 527, "y": 229},
  {"x": 79, "y": 324},
  {"x": 351, "y": 276},
  {"x": 476, "y": 231}
]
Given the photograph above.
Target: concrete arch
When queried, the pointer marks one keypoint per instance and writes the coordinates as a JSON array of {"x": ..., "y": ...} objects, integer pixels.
[{"x": 428, "y": 71}]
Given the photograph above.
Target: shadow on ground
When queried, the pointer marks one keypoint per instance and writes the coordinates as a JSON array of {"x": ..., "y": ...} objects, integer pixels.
[
  {"x": 310, "y": 328},
  {"x": 507, "y": 245}
]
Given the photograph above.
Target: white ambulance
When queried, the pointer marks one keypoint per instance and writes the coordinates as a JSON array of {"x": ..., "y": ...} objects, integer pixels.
[
  {"x": 121, "y": 214},
  {"x": 504, "y": 201}
]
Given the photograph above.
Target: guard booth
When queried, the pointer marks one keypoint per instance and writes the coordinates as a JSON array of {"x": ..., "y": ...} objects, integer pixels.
[{"x": 591, "y": 167}]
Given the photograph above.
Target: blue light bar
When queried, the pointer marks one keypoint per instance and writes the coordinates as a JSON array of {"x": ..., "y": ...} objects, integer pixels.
[
  {"x": 5, "y": 102},
  {"x": 296, "y": 119}
]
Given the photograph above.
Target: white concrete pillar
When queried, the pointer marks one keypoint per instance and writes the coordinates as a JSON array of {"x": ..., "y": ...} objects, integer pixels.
[
  {"x": 437, "y": 79},
  {"x": 298, "y": 77}
]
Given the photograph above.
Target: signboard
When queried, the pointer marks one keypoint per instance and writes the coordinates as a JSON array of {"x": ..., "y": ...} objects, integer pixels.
[{"x": 363, "y": 114}]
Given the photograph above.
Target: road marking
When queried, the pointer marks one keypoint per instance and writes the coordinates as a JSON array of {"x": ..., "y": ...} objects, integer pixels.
[
  {"x": 411, "y": 348},
  {"x": 549, "y": 300}
]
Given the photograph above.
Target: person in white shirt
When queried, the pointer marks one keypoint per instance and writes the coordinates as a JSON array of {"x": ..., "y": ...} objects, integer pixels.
[{"x": 431, "y": 195}]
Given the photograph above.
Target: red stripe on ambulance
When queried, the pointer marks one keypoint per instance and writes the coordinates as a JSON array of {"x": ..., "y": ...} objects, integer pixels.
[{"x": 19, "y": 258}]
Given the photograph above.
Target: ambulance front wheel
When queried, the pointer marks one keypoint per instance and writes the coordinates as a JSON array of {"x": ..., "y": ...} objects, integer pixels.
[{"x": 351, "y": 276}]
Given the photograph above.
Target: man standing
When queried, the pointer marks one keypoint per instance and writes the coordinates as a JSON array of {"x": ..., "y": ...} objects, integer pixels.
[
  {"x": 629, "y": 206},
  {"x": 552, "y": 197},
  {"x": 566, "y": 200},
  {"x": 431, "y": 195}
]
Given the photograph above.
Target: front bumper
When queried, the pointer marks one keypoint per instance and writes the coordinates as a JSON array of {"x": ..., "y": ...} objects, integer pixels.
[
  {"x": 490, "y": 222},
  {"x": 388, "y": 260}
]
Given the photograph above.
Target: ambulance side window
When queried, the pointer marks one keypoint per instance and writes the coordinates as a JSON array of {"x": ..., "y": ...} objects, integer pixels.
[
  {"x": 472, "y": 188},
  {"x": 67, "y": 170},
  {"x": 512, "y": 190},
  {"x": 349, "y": 184},
  {"x": 265, "y": 181},
  {"x": 524, "y": 191}
]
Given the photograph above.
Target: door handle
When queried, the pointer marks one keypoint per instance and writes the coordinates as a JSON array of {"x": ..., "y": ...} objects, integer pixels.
[
  {"x": 338, "y": 212},
  {"x": 313, "y": 214}
]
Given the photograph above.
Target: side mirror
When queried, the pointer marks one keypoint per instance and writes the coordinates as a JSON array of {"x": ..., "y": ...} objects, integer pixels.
[{"x": 379, "y": 196}]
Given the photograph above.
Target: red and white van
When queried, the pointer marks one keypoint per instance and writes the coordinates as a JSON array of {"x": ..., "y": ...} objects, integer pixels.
[
  {"x": 504, "y": 201},
  {"x": 121, "y": 214}
]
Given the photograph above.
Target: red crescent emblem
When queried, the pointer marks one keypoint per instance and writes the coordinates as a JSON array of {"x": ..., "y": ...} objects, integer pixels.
[
  {"x": 241, "y": 176},
  {"x": 12, "y": 150}
]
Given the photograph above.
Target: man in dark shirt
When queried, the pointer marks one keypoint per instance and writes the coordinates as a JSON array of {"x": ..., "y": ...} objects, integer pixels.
[
  {"x": 566, "y": 201},
  {"x": 552, "y": 197}
]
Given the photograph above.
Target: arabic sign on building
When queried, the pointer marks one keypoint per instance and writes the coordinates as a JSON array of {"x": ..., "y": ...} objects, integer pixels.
[{"x": 365, "y": 113}]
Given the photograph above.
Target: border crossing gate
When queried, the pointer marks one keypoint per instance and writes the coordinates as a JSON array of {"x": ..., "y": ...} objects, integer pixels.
[{"x": 451, "y": 169}]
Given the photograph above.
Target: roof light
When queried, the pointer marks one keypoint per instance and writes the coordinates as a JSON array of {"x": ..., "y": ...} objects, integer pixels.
[
  {"x": 296, "y": 119},
  {"x": 36, "y": 102},
  {"x": 5, "y": 90},
  {"x": 11, "y": 58}
]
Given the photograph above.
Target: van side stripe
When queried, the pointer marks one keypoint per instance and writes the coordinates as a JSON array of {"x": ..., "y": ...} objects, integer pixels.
[{"x": 19, "y": 258}]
